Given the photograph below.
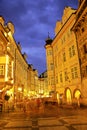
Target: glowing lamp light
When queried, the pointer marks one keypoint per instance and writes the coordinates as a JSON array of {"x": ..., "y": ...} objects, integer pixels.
[
  {"x": 20, "y": 89},
  {"x": 0, "y": 91}
]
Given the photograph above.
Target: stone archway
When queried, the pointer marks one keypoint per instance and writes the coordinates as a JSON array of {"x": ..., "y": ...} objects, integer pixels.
[
  {"x": 68, "y": 96},
  {"x": 77, "y": 96}
]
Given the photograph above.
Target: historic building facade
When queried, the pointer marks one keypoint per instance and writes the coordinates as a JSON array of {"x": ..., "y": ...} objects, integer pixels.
[
  {"x": 80, "y": 29},
  {"x": 33, "y": 87},
  {"x": 6, "y": 64},
  {"x": 13, "y": 66},
  {"x": 64, "y": 60},
  {"x": 43, "y": 84}
]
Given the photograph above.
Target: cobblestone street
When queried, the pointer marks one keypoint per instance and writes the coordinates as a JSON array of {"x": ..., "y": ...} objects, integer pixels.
[{"x": 51, "y": 118}]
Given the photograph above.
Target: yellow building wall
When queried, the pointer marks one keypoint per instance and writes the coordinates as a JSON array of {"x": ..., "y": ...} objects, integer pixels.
[{"x": 64, "y": 40}]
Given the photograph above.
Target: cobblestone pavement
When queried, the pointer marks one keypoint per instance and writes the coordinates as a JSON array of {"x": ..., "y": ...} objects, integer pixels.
[{"x": 61, "y": 119}]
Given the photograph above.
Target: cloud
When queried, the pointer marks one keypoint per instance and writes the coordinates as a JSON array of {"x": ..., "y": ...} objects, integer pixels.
[{"x": 32, "y": 21}]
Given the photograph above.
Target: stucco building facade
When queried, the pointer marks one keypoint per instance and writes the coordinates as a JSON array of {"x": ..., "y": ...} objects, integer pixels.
[
  {"x": 80, "y": 29},
  {"x": 65, "y": 60},
  {"x": 13, "y": 66}
]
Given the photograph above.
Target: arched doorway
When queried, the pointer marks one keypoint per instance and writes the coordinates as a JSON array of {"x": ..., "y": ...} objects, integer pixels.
[
  {"x": 68, "y": 96},
  {"x": 77, "y": 96}
]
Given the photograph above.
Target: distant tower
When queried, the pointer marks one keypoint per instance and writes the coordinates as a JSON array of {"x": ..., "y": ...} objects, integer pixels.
[
  {"x": 48, "y": 40},
  {"x": 50, "y": 64}
]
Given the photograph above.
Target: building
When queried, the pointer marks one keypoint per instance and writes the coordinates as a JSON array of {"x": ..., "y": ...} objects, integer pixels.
[
  {"x": 13, "y": 66},
  {"x": 6, "y": 64},
  {"x": 32, "y": 81},
  {"x": 80, "y": 29},
  {"x": 62, "y": 60},
  {"x": 43, "y": 84}
]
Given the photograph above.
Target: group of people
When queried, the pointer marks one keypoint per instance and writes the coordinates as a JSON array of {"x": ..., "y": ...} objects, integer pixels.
[{"x": 32, "y": 104}]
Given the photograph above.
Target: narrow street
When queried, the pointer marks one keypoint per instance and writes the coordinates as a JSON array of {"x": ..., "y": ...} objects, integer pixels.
[{"x": 51, "y": 118}]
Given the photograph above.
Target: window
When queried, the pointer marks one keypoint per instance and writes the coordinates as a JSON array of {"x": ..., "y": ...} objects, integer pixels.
[
  {"x": 52, "y": 81},
  {"x": 64, "y": 57},
  {"x": 70, "y": 54},
  {"x": 68, "y": 33},
  {"x": 49, "y": 52},
  {"x": 63, "y": 40},
  {"x": 1, "y": 69},
  {"x": 51, "y": 66},
  {"x": 72, "y": 51},
  {"x": 74, "y": 72},
  {"x": 9, "y": 69},
  {"x": 56, "y": 79},
  {"x": 61, "y": 80},
  {"x": 66, "y": 77}
]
